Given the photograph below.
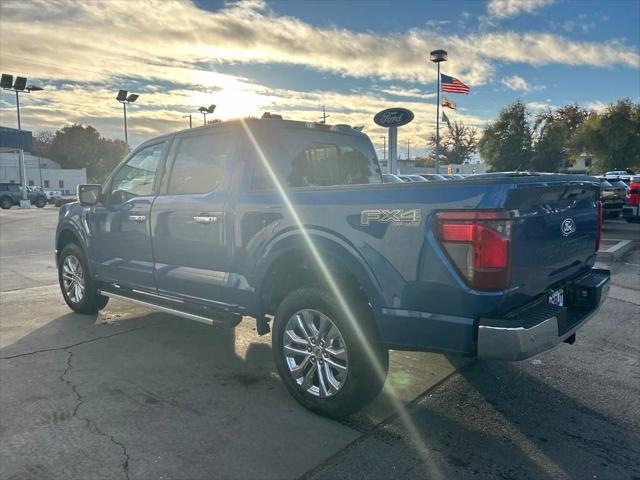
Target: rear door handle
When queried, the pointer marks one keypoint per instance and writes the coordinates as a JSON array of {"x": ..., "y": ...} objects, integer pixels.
[
  {"x": 138, "y": 218},
  {"x": 205, "y": 220}
]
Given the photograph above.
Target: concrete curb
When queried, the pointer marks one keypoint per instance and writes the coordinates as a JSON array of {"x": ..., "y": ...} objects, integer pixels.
[{"x": 613, "y": 253}]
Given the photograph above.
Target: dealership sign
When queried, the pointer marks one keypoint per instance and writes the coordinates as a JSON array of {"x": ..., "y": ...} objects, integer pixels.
[{"x": 393, "y": 117}]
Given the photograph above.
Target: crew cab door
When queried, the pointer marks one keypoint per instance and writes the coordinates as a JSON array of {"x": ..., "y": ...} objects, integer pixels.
[
  {"x": 120, "y": 248},
  {"x": 190, "y": 224}
]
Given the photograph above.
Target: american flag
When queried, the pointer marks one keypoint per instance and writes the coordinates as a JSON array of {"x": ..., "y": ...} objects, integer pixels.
[{"x": 452, "y": 85}]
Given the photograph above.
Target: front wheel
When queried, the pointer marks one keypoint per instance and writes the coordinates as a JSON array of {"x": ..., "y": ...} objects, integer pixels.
[
  {"x": 328, "y": 364},
  {"x": 41, "y": 202},
  {"x": 5, "y": 203},
  {"x": 76, "y": 283}
]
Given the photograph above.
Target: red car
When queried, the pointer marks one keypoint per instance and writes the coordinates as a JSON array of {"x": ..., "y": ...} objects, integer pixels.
[{"x": 631, "y": 209}]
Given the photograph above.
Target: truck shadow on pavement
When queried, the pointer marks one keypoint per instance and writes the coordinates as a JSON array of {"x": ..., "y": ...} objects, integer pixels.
[
  {"x": 152, "y": 396},
  {"x": 496, "y": 420}
]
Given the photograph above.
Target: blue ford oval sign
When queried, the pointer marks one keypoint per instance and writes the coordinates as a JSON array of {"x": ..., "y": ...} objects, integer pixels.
[{"x": 393, "y": 117}]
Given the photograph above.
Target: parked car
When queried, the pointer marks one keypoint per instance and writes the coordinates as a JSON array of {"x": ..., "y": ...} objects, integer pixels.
[
  {"x": 11, "y": 194},
  {"x": 413, "y": 178},
  {"x": 52, "y": 195},
  {"x": 290, "y": 223},
  {"x": 433, "y": 177},
  {"x": 612, "y": 198},
  {"x": 631, "y": 210},
  {"x": 624, "y": 175},
  {"x": 391, "y": 178}
]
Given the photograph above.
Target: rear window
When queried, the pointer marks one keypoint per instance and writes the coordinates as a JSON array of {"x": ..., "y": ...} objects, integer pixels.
[{"x": 301, "y": 158}]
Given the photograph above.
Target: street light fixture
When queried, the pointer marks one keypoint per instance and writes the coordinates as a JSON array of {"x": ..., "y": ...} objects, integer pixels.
[
  {"x": 438, "y": 56},
  {"x": 124, "y": 98},
  {"x": 19, "y": 86},
  {"x": 205, "y": 110}
]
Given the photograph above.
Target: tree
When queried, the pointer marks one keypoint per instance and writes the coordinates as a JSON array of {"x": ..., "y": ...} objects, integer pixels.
[
  {"x": 552, "y": 133},
  {"x": 458, "y": 144},
  {"x": 506, "y": 144},
  {"x": 612, "y": 137},
  {"x": 76, "y": 146},
  {"x": 42, "y": 143}
]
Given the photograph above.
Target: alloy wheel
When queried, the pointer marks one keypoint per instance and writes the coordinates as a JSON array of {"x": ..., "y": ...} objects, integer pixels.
[
  {"x": 73, "y": 278},
  {"x": 315, "y": 353}
]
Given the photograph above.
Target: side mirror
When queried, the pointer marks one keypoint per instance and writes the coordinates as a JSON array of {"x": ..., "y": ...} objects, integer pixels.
[{"x": 88, "y": 194}]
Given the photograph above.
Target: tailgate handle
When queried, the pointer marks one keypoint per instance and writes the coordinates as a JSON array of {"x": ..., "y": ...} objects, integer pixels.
[{"x": 138, "y": 218}]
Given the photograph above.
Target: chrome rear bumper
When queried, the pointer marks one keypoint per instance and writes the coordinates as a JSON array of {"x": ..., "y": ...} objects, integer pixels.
[{"x": 522, "y": 337}]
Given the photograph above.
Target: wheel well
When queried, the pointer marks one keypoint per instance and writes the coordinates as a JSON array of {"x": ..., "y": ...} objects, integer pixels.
[
  {"x": 65, "y": 238},
  {"x": 297, "y": 269}
]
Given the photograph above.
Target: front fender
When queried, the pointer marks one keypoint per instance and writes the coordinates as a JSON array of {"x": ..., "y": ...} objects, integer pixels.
[{"x": 72, "y": 221}]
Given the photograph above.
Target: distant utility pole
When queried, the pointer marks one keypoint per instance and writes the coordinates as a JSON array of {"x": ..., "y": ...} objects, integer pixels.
[
  {"x": 324, "y": 115},
  {"x": 190, "y": 121},
  {"x": 408, "y": 149}
]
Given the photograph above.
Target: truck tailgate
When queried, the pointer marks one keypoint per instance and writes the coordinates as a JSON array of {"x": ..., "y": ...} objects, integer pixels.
[{"x": 555, "y": 230}]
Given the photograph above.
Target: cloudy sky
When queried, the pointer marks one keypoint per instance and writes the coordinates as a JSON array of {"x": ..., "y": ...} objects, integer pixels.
[{"x": 294, "y": 57}]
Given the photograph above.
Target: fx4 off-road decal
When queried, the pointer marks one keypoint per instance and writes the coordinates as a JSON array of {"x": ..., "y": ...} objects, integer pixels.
[{"x": 397, "y": 217}]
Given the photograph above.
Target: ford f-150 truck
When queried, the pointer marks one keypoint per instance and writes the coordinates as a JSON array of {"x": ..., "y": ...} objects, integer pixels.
[{"x": 290, "y": 223}]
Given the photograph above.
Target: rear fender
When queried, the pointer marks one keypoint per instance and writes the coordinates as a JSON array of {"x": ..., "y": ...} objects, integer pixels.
[{"x": 331, "y": 250}]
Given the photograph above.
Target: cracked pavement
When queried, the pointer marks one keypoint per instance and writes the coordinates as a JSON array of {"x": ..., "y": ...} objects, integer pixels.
[{"x": 132, "y": 394}]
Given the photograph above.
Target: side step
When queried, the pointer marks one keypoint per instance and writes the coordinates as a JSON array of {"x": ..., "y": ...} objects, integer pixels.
[{"x": 172, "y": 311}]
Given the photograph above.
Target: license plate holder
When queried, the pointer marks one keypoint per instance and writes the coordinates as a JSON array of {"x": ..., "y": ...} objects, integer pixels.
[{"x": 557, "y": 298}]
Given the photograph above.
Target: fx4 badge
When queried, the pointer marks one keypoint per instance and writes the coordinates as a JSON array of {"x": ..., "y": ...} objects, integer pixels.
[{"x": 398, "y": 217}]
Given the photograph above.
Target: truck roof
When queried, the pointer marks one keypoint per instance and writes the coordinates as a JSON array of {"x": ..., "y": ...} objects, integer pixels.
[{"x": 275, "y": 122}]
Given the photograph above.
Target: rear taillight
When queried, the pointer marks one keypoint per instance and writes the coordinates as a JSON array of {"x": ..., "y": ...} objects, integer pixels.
[
  {"x": 478, "y": 244},
  {"x": 599, "y": 235}
]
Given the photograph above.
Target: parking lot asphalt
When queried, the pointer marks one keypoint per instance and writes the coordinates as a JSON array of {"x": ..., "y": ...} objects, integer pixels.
[{"x": 131, "y": 393}]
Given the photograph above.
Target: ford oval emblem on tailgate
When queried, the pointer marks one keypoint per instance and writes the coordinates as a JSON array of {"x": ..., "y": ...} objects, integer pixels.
[{"x": 568, "y": 227}]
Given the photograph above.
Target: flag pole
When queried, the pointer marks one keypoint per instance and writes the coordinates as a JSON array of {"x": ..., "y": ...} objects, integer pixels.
[
  {"x": 438, "y": 125},
  {"x": 438, "y": 56}
]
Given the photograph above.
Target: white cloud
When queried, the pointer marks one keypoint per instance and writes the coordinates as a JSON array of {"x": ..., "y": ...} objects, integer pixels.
[
  {"x": 171, "y": 37},
  {"x": 511, "y": 8},
  {"x": 170, "y": 52},
  {"x": 596, "y": 106},
  {"x": 515, "y": 82},
  {"x": 541, "y": 106}
]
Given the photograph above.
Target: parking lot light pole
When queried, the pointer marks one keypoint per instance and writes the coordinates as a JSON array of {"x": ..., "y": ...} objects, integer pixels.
[
  {"x": 438, "y": 56},
  {"x": 205, "y": 110},
  {"x": 19, "y": 86},
  {"x": 124, "y": 98}
]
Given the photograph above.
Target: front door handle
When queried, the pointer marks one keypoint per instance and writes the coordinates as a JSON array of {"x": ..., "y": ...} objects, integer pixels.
[
  {"x": 138, "y": 218},
  {"x": 205, "y": 220}
]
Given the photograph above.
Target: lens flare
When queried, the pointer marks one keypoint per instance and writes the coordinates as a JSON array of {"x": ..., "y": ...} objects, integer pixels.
[{"x": 401, "y": 411}]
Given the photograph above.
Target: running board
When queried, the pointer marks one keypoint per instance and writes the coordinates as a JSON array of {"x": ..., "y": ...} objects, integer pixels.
[{"x": 161, "y": 308}]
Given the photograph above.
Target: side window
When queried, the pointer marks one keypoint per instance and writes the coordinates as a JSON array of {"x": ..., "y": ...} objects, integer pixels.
[
  {"x": 200, "y": 164},
  {"x": 315, "y": 166},
  {"x": 326, "y": 165},
  {"x": 135, "y": 178}
]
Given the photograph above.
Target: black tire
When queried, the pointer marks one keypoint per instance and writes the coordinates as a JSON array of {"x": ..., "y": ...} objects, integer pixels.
[
  {"x": 362, "y": 382},
  {"x": 40, "y": 202},
  {"x": 91, "y": 301},
  {"x": 5, "y": 203}
]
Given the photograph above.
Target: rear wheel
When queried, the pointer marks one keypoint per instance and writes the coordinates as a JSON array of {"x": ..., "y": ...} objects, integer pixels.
[
  {"x": 41, "y": 202},
  {"x": 325, "y": 362},
  {"x": 76, "y": 284},
  {"x": 5, "y": 203}
]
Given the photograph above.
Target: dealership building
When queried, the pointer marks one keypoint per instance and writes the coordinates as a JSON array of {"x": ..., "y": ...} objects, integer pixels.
[{"x": 40, "y": 171}]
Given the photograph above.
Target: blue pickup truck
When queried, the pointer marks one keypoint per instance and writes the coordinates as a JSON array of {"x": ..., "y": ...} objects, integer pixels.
[{"x": 290, "y": 223}]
